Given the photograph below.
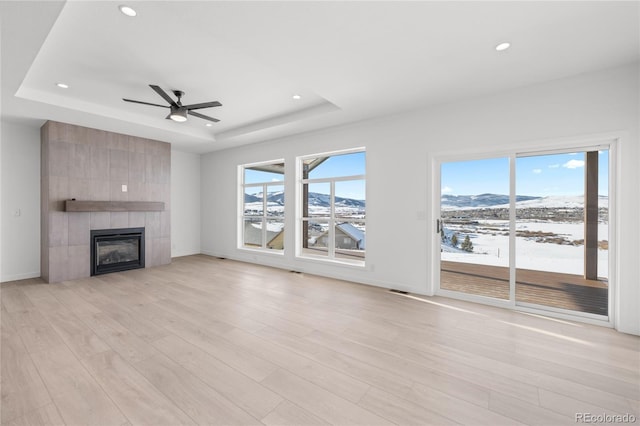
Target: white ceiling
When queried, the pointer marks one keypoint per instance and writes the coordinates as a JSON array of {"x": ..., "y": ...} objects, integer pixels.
[{"x": 348, "y": 60}]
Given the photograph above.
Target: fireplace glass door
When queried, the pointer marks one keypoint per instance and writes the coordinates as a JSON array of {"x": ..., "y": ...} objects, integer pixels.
[{"x": 115, "y": 250}]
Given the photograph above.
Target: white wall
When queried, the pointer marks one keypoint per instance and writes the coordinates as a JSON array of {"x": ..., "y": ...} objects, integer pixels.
[
  {"x": 399, "y": 190},
  {"x": 20, "y": 189},
  {"x": 185, "y": 204},
  {"x": 20, "y": 192}
]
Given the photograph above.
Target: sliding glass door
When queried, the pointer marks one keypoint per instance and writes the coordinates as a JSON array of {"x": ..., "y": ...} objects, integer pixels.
[
  {"x": 528, "y": 229},
  {"x": 474, "y": 227},
  {"x": 562, "y": 243}
]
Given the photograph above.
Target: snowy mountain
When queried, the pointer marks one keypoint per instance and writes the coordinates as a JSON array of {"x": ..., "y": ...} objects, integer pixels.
[
  {"x": 462, "y": 202},
  {"x": 248, "y": 198},
  {"x": 557, "y": 201},
  {"x": 315, "y": 199},
  {"x": 450, "y": 202}
]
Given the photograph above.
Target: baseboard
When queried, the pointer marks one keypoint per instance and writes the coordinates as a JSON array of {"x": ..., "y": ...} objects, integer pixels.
[
  {"x": 315, "y": 270},
  {"x": 18, "y": 277}
]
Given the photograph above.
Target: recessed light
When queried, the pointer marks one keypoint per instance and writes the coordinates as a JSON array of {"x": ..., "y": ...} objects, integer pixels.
[
  {"x": 127, "y": 10},
  {"x": 208, "y": 124},
  {"x": 296, "y": 97},
  {"x": 503, "y": 46},
  {"x": 62, "y": 85}
]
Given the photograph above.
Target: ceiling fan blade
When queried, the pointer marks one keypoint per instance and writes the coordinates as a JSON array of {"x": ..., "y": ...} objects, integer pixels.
[
  {"x": 164, "y": 95},
  {"x": 203, "y": 105},
  {"x": 197, "y": 114},
  {"x": 144, "y": 103}
]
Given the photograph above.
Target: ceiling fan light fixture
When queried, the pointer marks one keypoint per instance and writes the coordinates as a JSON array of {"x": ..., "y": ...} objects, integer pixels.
[
  {"x": 178, "y": 114},
  {"x": 127, "y": 10}
]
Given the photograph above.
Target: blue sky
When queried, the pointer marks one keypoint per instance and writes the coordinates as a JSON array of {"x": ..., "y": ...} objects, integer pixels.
[
  {"x": 542, "y": 175},
  {"x": 341, "y": 165},
  {"x": 344, "y": 165},
  {"x": 336, "y": 166}
]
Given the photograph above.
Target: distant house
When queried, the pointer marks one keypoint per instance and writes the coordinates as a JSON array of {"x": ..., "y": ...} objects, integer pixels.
[
  {"x": 348, "y": 237},
  {"x": 253, "y": 236}
]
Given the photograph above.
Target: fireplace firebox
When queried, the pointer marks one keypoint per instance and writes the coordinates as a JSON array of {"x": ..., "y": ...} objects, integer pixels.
[{"x": 114, "y": 250}]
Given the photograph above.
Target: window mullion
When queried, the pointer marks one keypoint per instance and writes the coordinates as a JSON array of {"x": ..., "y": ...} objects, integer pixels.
[
  {"x": 332, "y": 221},
  {"x": 264, "y": 215}
]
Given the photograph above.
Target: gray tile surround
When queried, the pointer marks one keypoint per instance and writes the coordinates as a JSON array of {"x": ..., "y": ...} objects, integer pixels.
[{"x": 91, "y": 164}]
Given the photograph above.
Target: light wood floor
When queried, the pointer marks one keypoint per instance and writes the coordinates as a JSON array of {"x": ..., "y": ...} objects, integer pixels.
[{"x": 209, "y": 341}]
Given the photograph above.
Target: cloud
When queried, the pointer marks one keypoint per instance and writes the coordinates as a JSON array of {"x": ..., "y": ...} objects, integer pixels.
[
  {"x": 554, "y": 166},
  {"x": 446, "y": 190},
  {"x": 537, "y": 171},
  {"x": 573, "y": 164}
]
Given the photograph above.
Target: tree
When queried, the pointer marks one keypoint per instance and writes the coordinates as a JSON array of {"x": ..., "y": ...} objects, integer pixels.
[
  {"x": 467, "y": 245},
  {"x": 454, "y": 240}
]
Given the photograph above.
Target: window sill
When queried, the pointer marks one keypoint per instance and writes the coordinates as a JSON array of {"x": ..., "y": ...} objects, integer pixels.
[
  {"x": 355, "y": 264},
  {"x": 270, "y": 252}
]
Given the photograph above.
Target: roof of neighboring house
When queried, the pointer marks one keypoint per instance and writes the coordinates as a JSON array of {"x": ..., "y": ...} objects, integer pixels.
[
  {"x": 353, "y": 232},
  {"x": 253, "y": 233}
]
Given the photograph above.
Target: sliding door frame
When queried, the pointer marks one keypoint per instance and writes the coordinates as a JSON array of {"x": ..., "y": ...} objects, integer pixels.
[{"x": 594, "y": 142}]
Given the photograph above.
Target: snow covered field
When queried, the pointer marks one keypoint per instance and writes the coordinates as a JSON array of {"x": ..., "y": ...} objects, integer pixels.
[{"x": 491, "y": 247}]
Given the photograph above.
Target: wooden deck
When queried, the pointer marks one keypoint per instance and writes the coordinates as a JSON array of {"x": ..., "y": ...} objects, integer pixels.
[{"x": 565, "y": 291}]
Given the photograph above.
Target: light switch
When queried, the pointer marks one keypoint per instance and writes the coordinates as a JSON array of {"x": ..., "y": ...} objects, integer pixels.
[{"x": 124, "y": 188}]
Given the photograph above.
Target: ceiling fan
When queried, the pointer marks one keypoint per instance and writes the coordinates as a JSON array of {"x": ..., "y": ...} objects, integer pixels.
[{"x": 178, "y": 111}]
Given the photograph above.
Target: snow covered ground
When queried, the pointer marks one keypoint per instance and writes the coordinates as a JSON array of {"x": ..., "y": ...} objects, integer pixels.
[{"x": 491, "y": 249}]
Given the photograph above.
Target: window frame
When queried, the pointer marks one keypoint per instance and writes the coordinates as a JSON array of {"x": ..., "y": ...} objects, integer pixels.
[
  {"x": 264, "y": 217},
  {"x": 331, "y": 220}
]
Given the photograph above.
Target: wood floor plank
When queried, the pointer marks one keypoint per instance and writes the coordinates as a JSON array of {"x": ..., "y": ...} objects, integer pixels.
[
  {"x": 120, "y": 339},
  {"x": 140, "y": 401},
  {"x": 44, "y": 416},
  {"x": 242, "y": 390},
  {"x": 354, "y": 367},
  {"x": 23, "y": 390},
  {"x": 14, "y": 300},
  {"x": 524, "y": 412},
  {"x": 456, "y": 409},
  {"x": 339, "y": 383},
  {"x": 79, "y": 398},
  {"x": 245, "y": 362},
  {"x": 320, "y": 402},
  {"x": 289, "y": 414},
  {"x": 567, "y": 406},
  {"x": 421, "y": 369},
  {"x": 144, "y": 329},
  {"x": 73, "y": 301},
  {"x": 82, "y": 341},
  {"x": 400, "y": 410},
  {"x": 201, "y": 402},
  {"x": 35, "y": 330}
]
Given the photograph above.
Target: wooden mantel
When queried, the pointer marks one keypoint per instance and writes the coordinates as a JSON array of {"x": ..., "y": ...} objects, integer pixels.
[{"x": 113, "y": 206}]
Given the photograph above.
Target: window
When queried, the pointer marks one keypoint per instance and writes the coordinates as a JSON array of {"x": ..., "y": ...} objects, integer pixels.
[
  {"x": 333, "y": 207},
  {"x": 262, "y": 222}
]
